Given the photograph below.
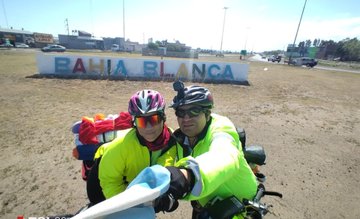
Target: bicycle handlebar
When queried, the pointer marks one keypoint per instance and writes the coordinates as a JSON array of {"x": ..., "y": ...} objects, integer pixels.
[{"x": 278, "y": 194}]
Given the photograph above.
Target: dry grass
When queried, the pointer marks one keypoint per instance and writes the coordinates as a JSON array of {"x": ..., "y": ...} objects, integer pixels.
[
  {"x": 343, "y": 65},
  {"x": 308, "y": 120}
]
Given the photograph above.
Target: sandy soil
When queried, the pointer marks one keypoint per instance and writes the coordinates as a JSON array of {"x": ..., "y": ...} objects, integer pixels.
[{"x": 308, "y": 120}]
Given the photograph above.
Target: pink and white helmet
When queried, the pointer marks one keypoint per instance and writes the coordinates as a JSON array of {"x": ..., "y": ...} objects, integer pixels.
[{"x": 146, "y": 101}]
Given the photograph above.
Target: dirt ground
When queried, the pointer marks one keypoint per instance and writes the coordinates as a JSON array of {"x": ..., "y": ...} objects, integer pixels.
[{"x": 308, "y": 120}]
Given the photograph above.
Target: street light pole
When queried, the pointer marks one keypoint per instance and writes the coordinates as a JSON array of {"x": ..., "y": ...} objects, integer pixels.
[
  {"x": 246, "y": 38},
  {"x": 124, "y": 19},
  {"x": 67, "y": 26},
  {"x": 6, "y": 20},
  {"x": 297, "y": 31},
  {"x": 222, "y": 35}
]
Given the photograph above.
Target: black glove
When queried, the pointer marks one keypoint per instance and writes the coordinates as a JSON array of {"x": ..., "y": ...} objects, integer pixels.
[
  {"x": 166, "y": 202},
  {"x": 179, "y": 188}
]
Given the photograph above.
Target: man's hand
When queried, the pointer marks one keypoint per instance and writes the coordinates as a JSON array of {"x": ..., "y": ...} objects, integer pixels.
[
  {"x": 166, "y": 202},
  {"x": 180, "y": 186}
]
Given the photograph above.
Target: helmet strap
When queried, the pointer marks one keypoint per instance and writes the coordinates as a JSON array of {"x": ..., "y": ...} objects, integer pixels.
[{"x": 207, "y": 115}]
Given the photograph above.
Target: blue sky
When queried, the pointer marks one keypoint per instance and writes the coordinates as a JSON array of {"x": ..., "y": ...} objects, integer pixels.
[{"x": 257, "y": 25}]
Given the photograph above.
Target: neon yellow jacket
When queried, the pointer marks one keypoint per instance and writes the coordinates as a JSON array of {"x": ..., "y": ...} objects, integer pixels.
[
  {"x": 218, "y": 163},
  {"x": 124, "y": 158}
]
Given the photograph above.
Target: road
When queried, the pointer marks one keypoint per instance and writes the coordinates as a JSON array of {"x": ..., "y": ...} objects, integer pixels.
[
  {"x": 337, "y": 69},
  {"x": 257, "y": 57}
]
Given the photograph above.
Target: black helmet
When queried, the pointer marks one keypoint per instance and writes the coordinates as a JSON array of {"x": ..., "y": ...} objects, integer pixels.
[{"x": 195, "y": 95}]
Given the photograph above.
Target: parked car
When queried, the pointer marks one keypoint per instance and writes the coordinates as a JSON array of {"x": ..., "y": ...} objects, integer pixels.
[
  {"x": 21, "y": 45},
  {"x": 6, "y": 45},
  {"x": 53, "y": 48},
  {"x": 220, "y": 54},
  {"x": 309, "y": 62}
]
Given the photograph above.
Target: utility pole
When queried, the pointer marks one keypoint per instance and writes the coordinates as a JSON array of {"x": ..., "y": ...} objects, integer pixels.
[
  {"x": 124, "y": 19},
  {"x": 246, "y": 37},
  {"x": 67, "y": 26},
  {"x": 91, "y": 18},
  {"x": 297, "y": 31},
  {"x": 222, "y": 35}
]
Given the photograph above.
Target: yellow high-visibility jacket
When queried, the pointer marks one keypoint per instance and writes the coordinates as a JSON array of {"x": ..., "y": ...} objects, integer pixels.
[
  {"x": 218, "y": 163},
  {"x": 125, "y": 157}
]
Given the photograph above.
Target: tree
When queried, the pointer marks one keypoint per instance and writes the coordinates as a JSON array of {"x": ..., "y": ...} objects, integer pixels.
[
  {"x": 164, "y": 43},
  {"x": 325, "y": 43},
  {"x": 315, "y": 42},
  {"x": 158, "y": 43},
  {"x": 153, "y": 46},
  {"x": 349, "y": 49},
  {"x": 302, "y": 48}
]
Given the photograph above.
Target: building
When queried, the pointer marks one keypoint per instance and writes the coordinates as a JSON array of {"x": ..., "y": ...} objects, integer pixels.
[
  {"x": 33, "y": 39},
  {"x": 120, "y": 45},
  {"x": 16, "y": 36},
  {"x": 78, "y": 40},
  {"x": 133, "y": 46},
  {"x": 42, "y": 39},
  {"x": 83, "y": 40},
  {"x": 118, "y": 41}
]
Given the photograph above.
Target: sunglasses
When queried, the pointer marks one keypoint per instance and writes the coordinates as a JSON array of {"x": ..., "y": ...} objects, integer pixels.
[
  {"x": 142, "y": 121},
  {"x": 192, "y": 112}
]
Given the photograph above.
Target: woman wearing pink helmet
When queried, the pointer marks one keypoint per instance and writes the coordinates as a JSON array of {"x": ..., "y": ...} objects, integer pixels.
[{"x": 149, "y": 142}]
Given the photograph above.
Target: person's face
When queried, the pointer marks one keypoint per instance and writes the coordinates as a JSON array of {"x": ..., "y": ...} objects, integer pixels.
[
  {"x": 149, "y": 126},
  {"x": 191, "y": 119}
]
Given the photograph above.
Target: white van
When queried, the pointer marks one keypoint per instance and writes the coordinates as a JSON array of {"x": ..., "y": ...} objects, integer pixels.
[{"x": 115, "y": 47}]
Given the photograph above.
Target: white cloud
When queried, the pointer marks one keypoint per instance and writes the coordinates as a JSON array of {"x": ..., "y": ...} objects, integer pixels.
[
  {"x": 332, "y": 29},
  {"x": 200, "y": 25}
]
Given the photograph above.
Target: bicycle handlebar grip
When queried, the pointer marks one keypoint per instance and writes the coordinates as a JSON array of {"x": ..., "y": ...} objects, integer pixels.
[{"x": 259, "y": 194}]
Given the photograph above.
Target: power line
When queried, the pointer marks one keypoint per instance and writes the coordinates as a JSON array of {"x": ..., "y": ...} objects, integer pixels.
[{"x": 6, "y": 20}]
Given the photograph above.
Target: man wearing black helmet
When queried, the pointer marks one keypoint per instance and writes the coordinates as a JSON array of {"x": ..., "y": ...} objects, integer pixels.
[{"x": 212, "y": 166}]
